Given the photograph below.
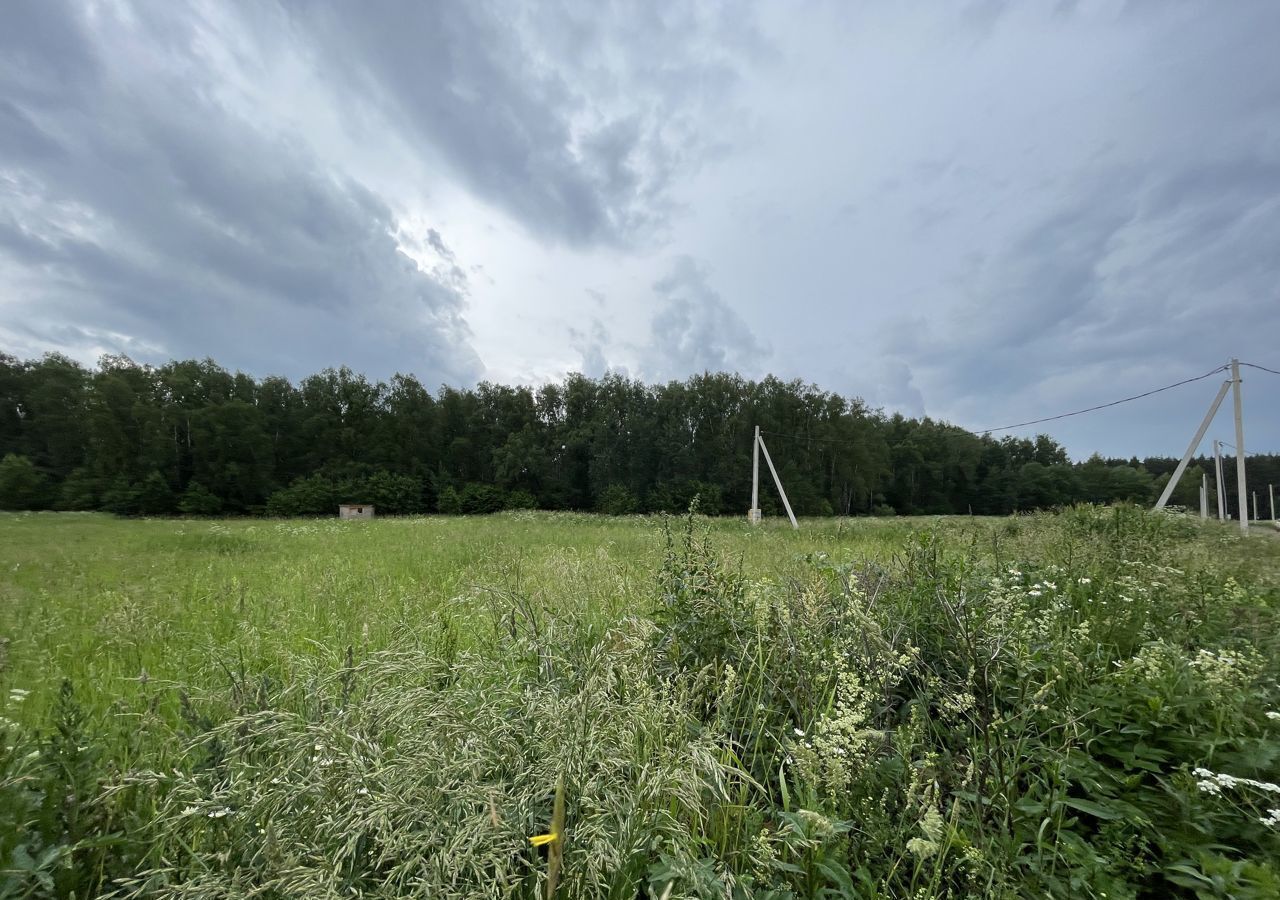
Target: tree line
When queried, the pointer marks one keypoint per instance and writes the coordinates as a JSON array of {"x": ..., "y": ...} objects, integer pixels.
[{"x": 191, "y": 437}]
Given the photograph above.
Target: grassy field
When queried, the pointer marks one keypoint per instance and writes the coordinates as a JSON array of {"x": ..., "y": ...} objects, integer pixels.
[
  {"x": 1082, "y": 704},
  {"x": 101, "y": 600}
]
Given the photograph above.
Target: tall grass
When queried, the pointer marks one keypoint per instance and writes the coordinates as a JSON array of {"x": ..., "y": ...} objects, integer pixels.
[{"x": 1066, "y": 706}]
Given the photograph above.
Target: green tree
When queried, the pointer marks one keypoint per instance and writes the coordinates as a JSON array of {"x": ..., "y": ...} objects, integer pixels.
[
  {"x": 313, "y": 496},
  {"x": 197, "y": 500},
  {"x": 99, "y": 435},
  {"x": 52, "y": 396},
  {"x": 13, "y": 379},
  {"x": 520, "y": 499},
  {"x": 448, "y": 502},
  {"x": 155, "y": 497},
  {"x": 22, "y": 485},
  {"x": 387, "y": 493},
  {"x": 81, "y": 490},
  {"x": 121, "y": 497},
  {"x": 616, "y": 500},
  {"x": 476, "y": 498}
]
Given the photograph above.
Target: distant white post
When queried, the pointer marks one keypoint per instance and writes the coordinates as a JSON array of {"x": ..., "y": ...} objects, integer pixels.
[
  {"x": 778, "y": 481},
  {"x": 1217, "y": 479},
  {"x": 753, "y": 514},
  {"x": 1204, "y": 496},
  {"x": 1193, "y": 446},
  {"x": 1271, "y": 489},
  {"x": 1255, "y": 506},
  {"x": 1242, "y": 495}
]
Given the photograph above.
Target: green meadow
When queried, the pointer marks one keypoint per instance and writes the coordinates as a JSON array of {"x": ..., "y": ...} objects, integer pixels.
[
  {"x": 101, "y": 600},
  {"x": 1081, "y": 704}
]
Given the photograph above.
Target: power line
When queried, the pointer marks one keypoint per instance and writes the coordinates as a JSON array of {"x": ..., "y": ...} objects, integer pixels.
[
  {"x": 1081, "y": 412},
  {"x": 824, "y": 440},
  {"x": 1263, "y": 368},
  {"x": 806, "y": 437}
]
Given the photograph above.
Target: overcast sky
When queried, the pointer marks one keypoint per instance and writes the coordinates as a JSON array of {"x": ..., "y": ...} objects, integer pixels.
[{"x": 983, "y": 212}]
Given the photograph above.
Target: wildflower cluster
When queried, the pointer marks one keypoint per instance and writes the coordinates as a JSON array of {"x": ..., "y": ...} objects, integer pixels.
[
  {"x": 1152, "y": 665},
  {"x": 829, "y": 758},
  {"x": 1214, "y": 782},
  {"x": 1226, "y": 673}
]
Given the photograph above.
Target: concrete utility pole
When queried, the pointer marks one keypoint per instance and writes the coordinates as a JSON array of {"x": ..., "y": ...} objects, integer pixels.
[
  {"x": 1204, "y": 496},
  {"x": 1241, "y": 492},
  {"x": 786, "y": 504},
  {"x": 1192, "y": 447},
  {"x": 753, "y": 514},
  {"x": 1217, "y": 479},
  {"x": 1271, "y": 489},
  {"x": 1255, "y": 506}
]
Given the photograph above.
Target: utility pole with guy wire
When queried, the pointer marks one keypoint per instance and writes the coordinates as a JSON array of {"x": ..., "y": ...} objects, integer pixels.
[
  {"x": 753, "y": 515},
  {"x": 1191, "y": 449},
  {"x": 1242, "y": 492}
]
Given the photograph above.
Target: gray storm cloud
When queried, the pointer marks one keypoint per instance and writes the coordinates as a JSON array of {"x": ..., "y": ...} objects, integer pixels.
[
  {"x": 559, "y": 114},
  {"x": 988, "y": 212},
  {"x": 134, "y": 201},
  {"x": 695, "y": 330}
]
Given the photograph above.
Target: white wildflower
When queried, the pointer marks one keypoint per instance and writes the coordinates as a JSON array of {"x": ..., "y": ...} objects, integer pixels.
[{"x": 1213, "y": 782}]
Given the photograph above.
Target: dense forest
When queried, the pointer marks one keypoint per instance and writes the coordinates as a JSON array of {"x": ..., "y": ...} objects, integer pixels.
[{"x": 191, "y": 437}]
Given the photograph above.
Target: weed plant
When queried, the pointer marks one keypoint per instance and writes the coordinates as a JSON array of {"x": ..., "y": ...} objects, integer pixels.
[{"x": 1084, "y": 704}]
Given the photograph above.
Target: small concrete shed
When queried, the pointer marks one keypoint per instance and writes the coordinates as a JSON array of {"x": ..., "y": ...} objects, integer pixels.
[{"x": 355, "y": 511}]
